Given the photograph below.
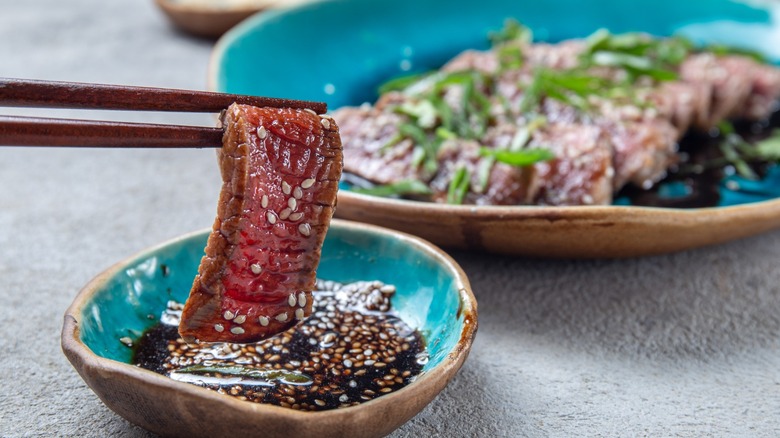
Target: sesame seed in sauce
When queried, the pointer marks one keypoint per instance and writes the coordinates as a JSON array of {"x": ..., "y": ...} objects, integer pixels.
[
  {"x": 296, "y": 216},
  {"x": 219, "y": 327},
  {"x": 282, "y": 317},
  {"x": 284, "y": 214},
  {"x": 228, "y": 315},
  {"x": 264, "y": 201},
  {"x": 286, "y": 188},
  {"x": 297, "y": 192},
  {"x": 292, "y": 203},
  {"x": 256, "y": 269},
  {"x": 325, "y": 123},
  {"x": 302, "y": 299},
  {"x": 261, "y": 133},
  {"x": 308, "y": 183},
  {"x": 348, "y": 349},
  {"x": 291, "y": 300},
  {"x": 239, "y": 319},
  {"x": 304, "y": 229},
  {"x": 299, "y": 314},
  {"x": 271, "y": 217},
  {"x": 310, "y": 111}
]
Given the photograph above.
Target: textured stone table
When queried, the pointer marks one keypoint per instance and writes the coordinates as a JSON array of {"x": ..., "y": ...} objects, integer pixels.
[{"x": 685, "y": 344}]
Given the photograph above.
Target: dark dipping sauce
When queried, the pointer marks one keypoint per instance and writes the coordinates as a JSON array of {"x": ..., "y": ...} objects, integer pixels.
[
  {"x": 696, "y": 178},
  {"x": 352, "y": 349}
]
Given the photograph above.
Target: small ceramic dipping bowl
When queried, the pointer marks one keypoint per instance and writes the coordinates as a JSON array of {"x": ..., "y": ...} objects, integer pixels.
[{"x": 433, "y": 295}]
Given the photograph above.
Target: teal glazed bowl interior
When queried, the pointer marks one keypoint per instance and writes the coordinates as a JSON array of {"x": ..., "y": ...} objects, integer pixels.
[{"x": 433, "y": 295}]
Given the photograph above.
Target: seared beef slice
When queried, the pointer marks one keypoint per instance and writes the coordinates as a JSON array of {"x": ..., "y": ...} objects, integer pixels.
[{"x": 280, "y": 171}]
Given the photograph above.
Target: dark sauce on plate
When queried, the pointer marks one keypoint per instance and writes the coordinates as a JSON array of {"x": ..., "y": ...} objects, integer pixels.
[
  {"x": 693, "y": 182},
  {"x": 352, "y": 349}
]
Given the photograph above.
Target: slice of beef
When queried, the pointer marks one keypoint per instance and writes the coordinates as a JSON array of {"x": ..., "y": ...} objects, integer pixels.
[
  {"x": 371, "y": 148},
  {"x": 642, "y": 150},
  {"x": 561, "y": 56},
  {"x": 503, "y": 185},
  {"x": 280, "y": 171},
  {"x": 741, "y": 87},
  {"x": 764, "y": 98},
  {"x": 685, "y": 104},
  {"x": 581, "y": 173},
  {"x": 485, "y": 62}
]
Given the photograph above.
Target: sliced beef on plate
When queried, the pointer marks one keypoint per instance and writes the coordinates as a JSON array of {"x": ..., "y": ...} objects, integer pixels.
[
  {"x": 371, "y": 148},
  {"x": 581, "y": 173}
]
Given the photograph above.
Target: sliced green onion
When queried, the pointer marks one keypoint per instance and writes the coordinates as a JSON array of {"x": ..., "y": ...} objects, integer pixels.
[
  {"x": 521, "y": 158},
  {"x": 401, "y": 83},
  {"x": 400, "y": 188},
  {"x": 721, "y": 50},
  {"x": 484, "y": 168},
  {"x": 731, "y": 154},
  {"x": 459, "y": 186},
  {"x": 513, "y": 32},
  {"x": 251, "y": 373},
  {"x": 769, "y": 148}
]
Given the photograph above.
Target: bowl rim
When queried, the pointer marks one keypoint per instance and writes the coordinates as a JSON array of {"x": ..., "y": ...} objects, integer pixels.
[{"x": 82, "y": 356}]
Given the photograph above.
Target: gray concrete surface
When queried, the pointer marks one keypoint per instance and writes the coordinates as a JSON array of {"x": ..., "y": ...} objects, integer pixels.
[{"x": 679, "y": 345}]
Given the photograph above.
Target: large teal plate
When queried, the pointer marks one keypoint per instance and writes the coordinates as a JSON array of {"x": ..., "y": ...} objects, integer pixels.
[{"x": 339, "y": 51}]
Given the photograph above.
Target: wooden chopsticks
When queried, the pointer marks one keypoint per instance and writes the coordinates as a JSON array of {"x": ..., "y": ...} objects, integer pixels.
[{"x": 33, "y": 131}]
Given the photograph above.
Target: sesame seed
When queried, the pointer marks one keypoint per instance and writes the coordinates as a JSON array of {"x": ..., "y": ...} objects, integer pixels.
[
  {"x": 261, "y": 132},
  {"x": 292, "y": 203},
  {"x": 343, "y": 398},
  {"x": 219, "y": 327},
  {"x": 308, "y": 183},
  {"x": 286, "y": 188},
  {"x": 325, "y": 123},
  {"x": 126, "y": 340},
  {"x": 284, "y": 214},
  {"x": 263, "y": 320},
  {"x": 256, "y": 269},
  {"x": 302, "y": 299},
  {"x": 264, "y": 201},
  {"x": 271, "y": 217},
  {"x": 282, "y": 317},
  {"x": 237, "y": 331},
  {"x": 304, "y": 229},
  {"x": 347, "y": 363},
  {"x": 291, "y": 300},
  {"x": 296, "y": 216},
  {"x": 239, "y": 319},
  {"x": 311, "y": 111},
  {"x": 228, "y": 315},
  {"x": 297, "y": 193},
  {"x": 299, "y": 314},
  {"x": 319, "y": 402}
]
